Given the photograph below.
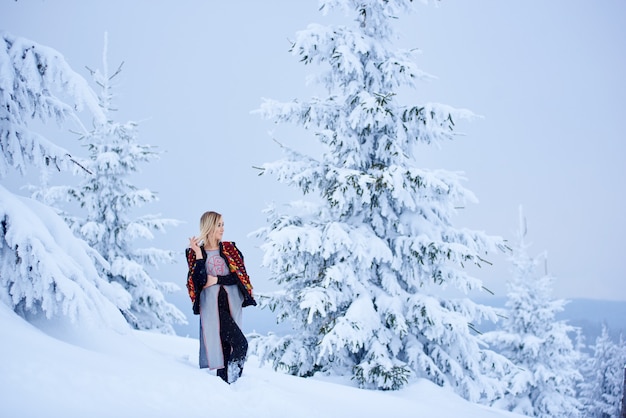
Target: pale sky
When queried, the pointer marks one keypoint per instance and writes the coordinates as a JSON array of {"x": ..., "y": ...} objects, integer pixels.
[{"x": 547, "y": 78}]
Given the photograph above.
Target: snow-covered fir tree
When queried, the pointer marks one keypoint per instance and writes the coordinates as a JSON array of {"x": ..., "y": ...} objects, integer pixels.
[
  {"x": 539, "y": 345},
  {"x": 110, "y": 200},
  {"x": 44, "y": 269},
  {"x": 602, "y": 390},
  {"x": 363, "y": 263}
]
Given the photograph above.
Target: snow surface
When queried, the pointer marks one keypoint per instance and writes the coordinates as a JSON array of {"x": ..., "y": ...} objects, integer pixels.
[{"x": 66, "y": 372}]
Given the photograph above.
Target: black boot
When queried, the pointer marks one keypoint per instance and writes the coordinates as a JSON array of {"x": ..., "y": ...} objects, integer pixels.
[{"x": 223, "y": 374}]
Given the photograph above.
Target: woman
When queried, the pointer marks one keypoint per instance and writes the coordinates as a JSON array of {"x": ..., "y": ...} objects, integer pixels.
[{"x": 219, "y": 287}]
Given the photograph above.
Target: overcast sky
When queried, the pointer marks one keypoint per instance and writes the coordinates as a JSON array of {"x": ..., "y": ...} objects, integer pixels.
[{"x": 547, "y": 77}]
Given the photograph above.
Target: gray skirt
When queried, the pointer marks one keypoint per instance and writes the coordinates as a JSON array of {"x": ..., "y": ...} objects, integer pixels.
[{"x": 211, "y": 354}]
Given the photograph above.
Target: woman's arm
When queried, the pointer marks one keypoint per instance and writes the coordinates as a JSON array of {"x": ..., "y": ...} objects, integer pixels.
[
  {"x": 199, "y": 275},
  {"x": 230, "y": 278}
]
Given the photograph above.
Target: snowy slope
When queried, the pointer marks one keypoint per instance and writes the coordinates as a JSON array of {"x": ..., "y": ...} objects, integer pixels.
[{"x": 108, "y": 374}]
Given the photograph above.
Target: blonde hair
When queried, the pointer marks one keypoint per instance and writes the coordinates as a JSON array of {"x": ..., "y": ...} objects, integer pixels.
[{"x": 208, "y": 223}]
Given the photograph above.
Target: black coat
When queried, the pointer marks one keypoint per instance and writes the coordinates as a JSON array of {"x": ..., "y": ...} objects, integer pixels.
[{"x": 198, "y": 274}]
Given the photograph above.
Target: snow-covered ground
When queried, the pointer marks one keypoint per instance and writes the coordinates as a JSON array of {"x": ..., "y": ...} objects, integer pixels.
[{"x": 67, "y": 372}]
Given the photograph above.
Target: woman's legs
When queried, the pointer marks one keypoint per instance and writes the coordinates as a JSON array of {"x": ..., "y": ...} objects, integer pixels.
[{"x": 234, "y": 343}]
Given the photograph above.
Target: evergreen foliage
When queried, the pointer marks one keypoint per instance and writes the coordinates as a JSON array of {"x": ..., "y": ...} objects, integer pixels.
[
  {"x": 539, "y": 345},
  {"x": 602, "y": 390},
  {"x": 44, "y": 270},
  {"x": 36, "y": 84},
  {"x": 363, "y": 263},
  {"x": 109, "y": 199}
]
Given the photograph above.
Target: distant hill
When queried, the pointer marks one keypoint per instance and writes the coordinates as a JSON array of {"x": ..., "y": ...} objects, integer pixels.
[{"x": 587, "y": 314}]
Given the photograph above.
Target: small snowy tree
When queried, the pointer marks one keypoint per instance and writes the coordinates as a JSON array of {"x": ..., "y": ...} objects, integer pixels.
[
  {"x": 363, "y": 267},
  {"x": 44, "y": 269},
  {"x": 539, "y": 345},
  {"x": 602, "y": 390},
  {"x": 109, "y": 199}
]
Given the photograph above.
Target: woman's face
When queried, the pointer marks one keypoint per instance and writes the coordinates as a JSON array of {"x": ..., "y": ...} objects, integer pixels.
[{"x": 218, "y": 232}]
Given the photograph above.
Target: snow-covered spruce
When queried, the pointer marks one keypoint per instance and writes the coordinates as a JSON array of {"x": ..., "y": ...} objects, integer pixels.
[
  {"x": 36, "y": 84},
  {"x": 362, "y": 264},
  {"x": 602, "y": 390},
  {"x": 44, "y": 270},
  {"x": 539, "y": 345},
  {"x": 109, "y": 199}
]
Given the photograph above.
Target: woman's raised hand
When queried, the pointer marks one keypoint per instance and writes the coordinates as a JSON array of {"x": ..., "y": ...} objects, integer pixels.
[{"x": 193, "y": 244}]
